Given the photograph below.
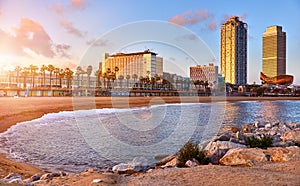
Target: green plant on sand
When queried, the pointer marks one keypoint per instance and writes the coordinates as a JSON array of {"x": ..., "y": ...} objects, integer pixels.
[
  {"x": 264, "y": 142},
  {"x": 189, "y": 152}
]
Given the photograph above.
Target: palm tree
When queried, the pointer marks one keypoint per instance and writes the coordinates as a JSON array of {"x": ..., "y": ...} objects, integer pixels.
[
  {"x": 18, "y": 70},
  {"x": 61, "y": 75},
  {"x": 89, "y": 72},
  {"x": 108, "y": 71},
  {"x": 43, "y": 71},
  {"x": 98, "y": 75},
  {"x": 56, "y": 72},
  {"x": 33, "y": 70},
  {"x": 69, "y": 75},
  {"x": 50, "y": 69},
  {"x": 127, "y": 79},
  {"x": 121, "y": 78},
  {"x": 116, "y": 69},
  {"x": 78, "y": 73},
  {"x": 134, "y": 76},
  {"x": 25, "y": 72},
  {"x": 104, "y": 75}
]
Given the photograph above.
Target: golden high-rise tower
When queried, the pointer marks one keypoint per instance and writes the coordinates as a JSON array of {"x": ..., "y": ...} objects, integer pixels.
[
  {"x": 274, "y": 51},
  {"x": 234, "y": 51}
]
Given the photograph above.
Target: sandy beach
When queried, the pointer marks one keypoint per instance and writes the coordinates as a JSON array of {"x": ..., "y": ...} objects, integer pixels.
[{"x": 14, "y": 110}]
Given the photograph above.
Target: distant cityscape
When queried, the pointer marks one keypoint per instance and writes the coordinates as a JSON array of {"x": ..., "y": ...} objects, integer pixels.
[{"x": 142, "y": 73}]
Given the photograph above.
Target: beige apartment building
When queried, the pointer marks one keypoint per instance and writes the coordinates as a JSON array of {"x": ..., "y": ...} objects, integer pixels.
[
  {"x": 204, "y": 73},
  {"x": 141, "y": 64},
  {"x": 234, "y": 51},
  {"x": 274, "y": 51}
]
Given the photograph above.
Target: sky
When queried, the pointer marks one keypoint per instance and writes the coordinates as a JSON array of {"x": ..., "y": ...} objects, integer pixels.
[{"x": 69, "y": 33}]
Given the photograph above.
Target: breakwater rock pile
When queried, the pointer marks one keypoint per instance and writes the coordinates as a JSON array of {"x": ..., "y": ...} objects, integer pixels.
[{"x": 252, "y": 143}]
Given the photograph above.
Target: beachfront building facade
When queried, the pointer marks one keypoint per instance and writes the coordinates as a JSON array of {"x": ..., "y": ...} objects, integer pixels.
[
  {"x": 234, "y": 51},
  {"x": 274, "y": 51},
  {"x": 205, "y": 73},
  {"x": 134, "y": 65}
]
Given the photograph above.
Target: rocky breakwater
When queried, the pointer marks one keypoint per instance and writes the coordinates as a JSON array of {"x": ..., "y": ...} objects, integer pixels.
[{"x": 252, "y": 143}]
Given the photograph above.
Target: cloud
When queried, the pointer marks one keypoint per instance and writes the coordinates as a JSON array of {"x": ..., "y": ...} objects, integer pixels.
[
  {"x": 0, "y": 13},
  {"x": 29, "y": 36},
  {"x": 60, "y": 8},
  {"x": 32, "y": 35},
  {"x": 189, "y": 37},
  {"x": 98, "y": 42},
  {"x": 70, "y": 28},
  {"x": 212, "y": 25},
  {"x": 190, "y": 17},
  {"x": 78, "y": 4},
  {"x": 61, "y": 50}
]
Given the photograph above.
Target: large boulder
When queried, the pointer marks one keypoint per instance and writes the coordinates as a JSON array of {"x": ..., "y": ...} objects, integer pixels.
[
  {"x": 172, "y": 163},
  {"x": 137, "y": 165},
  {"x": 292, "y": 135},
  {"x": 166, "y": 160},
  {"x": 216, "y": 150},
  {"x": 223, "y": 137},
  {"x": 243, "y": 156},
  {"x": 123, "y": 168},
  {"x": 279, "y": 154}
]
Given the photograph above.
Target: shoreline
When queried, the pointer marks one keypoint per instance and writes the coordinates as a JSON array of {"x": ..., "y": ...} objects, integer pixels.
[
  {"x": 15, "y": 110},
  {"x": 30, "y": 108}
]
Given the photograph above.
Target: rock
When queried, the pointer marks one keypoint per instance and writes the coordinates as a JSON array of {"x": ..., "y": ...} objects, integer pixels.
[
  {"x": 172, "y": 163},
  {"x": 166, "y": 160},
  {"x": 16, "y": 181},
  {"x": 42, "y": 182},
  {"x": 97, "y": 181},
  {"x": 150, "y": 170},
  {"x": 203, "y": 144},
  {"x": 62, "y": 173},
  {"x": 268, "y": 126},
  {"x": 240, "y": 136},
  {"x": 12, "y": 176},
  {"x": 216, "y": 150},
  {"x": 279, "y": 154},
  {"x": 54, "y": 174},
  {"x": 283, "y": 144},
  {"x": 292, "y": 135},
  {"x": 222, "y": 145},
  {"x": 122, "y": 168},
  {"x": 249, "y": 128},
  {"x": 293, "y": 125},
  {"x": 234, "y": 129},
  {"x": 224, "y": 137},
  {"x": 35, "y": 177},
  {"x": 234, "y": 140},
  {"x": 160, "y": 156},
  {"x": 137, "y": 165},
  {"x": 257, "y": 124},
  {"x": 46, "y": 176},
  {"x": 192, "y": 163},
  {"x": 243, "y": 156}
]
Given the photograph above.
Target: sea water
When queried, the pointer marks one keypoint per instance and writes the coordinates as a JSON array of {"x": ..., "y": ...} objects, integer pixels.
[{"x": 74, "y": 141}]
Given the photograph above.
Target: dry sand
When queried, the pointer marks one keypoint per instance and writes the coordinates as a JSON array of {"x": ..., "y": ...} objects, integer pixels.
[{"x": 14, "y": 110}]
